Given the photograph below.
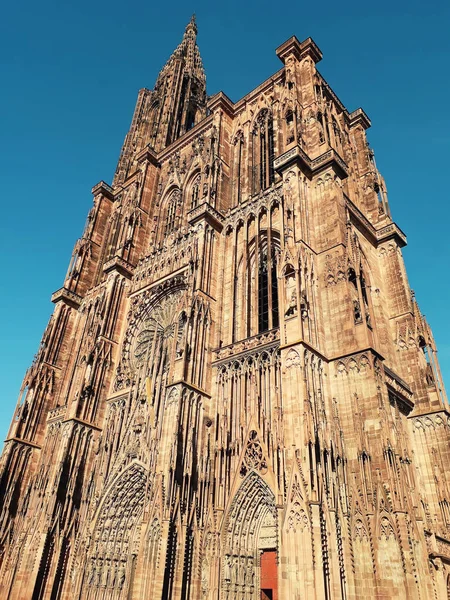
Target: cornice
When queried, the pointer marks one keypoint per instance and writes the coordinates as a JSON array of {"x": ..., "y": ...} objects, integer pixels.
[
  {"x": 149, "y": 155},
  {"x": 359, "y": 117},
  {"x": 207, "y": 212},
  {"x": 24, "y": 442},
  {"x": 220, "y": 101},
  {"x": 312, "y": 166},
  {"x": 299, "y": 49},
  {"x": 70, "y": 298},
  {"x": 104, "y": 189}
]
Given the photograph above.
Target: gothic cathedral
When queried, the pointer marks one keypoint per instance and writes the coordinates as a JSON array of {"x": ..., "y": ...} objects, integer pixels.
[{"x": 236, "y": 396}]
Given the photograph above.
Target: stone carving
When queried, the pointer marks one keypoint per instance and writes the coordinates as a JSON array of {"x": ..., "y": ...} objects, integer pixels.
[
  {"x": 291, "y": 295},
  {"x": 254, "y": 456}
]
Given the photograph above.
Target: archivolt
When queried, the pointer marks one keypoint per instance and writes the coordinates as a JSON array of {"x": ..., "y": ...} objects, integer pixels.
[
  {"x": 252, "y": 513},
  {"x": 116, "y": 535}
]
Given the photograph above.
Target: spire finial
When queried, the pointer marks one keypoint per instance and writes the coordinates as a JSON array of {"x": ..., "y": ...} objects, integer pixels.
[{"x": 192, "y": 25}]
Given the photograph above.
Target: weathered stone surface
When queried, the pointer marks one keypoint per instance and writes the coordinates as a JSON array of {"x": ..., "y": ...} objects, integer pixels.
[{"x": 236, "y": 396}]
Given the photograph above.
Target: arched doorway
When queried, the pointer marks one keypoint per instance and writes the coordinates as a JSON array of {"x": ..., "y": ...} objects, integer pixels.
[{"x": 249, "y": 566}]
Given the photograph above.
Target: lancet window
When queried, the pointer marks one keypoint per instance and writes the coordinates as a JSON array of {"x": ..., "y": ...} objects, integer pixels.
[
  {"x": 360, "y": 297},
  {"x": 263, "y": 151},
  {"x": 267, "y": 290},
  {"x": 257, "y": 294},
  {"x": 171, "y": 212},
  {"x": 195, "y": 191}
]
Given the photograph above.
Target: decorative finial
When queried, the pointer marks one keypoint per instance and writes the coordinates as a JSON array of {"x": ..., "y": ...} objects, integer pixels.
[{"x": 192, "y": 24}]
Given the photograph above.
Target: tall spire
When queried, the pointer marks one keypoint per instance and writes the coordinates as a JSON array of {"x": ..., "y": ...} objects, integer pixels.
[
  {"x": 180, "y": 89},
  {"x": 187, "y": 51},
  {"x": 176, "y": 103}
]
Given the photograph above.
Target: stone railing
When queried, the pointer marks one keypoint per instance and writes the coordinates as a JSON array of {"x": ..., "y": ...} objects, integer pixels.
[
  {"x": 175, "y": 254},
  {"x": 400, "y": 388},
  {"x": 377, "y": 236},
  {"x": 56, "y": 413},
  {"x": 264, "y": 200},
  {"x": 259, "y": 341}
]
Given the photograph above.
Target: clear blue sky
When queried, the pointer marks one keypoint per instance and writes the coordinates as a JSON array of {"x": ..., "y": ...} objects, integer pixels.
[{"x": 70, "y": 75}]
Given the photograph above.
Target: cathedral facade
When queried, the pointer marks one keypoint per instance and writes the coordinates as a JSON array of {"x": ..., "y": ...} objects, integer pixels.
[{"x": 236, "y": 396}]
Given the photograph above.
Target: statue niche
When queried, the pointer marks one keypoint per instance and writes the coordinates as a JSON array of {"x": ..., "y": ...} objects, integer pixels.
[{"x": 290, "y": 291}]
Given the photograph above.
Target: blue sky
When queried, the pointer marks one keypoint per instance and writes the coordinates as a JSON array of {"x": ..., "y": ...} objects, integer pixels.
[{"x": 70, "y": 75}]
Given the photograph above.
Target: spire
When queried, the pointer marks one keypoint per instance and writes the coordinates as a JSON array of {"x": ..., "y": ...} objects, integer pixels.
[
  {"x": 188, "y": 52},
  {"x": 176, "y": 103}
]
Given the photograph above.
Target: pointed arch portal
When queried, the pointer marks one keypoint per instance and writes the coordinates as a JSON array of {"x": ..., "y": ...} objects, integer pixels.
[
  {"x": 115, "y": 540},
  {"x": 250, "y": 543}
]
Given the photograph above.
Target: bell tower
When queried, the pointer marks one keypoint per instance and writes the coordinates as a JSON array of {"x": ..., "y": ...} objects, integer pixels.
[{"x": 175, "y": 105}]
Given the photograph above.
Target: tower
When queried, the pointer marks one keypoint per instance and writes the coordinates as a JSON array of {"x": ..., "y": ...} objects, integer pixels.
[{"x": 236, "y": 395}]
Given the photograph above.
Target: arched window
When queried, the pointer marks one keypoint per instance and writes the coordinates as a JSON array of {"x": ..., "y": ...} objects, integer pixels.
[
  {"x": 262, "y": 283},
  {"x": 171, "y": 212},
  {"x": 268, "y": 316},
  {"x": 263, "y": 151},
  {"x": 195, "y": 191}
]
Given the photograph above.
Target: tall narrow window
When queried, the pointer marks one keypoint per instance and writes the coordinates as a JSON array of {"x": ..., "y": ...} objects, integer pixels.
[
  {"x": 195, "y": 191},
  {"x": 171, "y": 212},
  {"x": 263, "y": 152},
  {"x": 267, "y": 291},
  {"x": 263, "y": 294}
]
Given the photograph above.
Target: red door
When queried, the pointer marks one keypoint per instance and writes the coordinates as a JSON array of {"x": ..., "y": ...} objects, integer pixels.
[{"x": 269, "y": 583}]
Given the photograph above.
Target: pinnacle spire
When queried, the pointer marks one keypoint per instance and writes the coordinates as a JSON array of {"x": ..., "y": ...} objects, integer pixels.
[
  {"x": 192, "y": 25},
  {"x": 187, "y": 51}
]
